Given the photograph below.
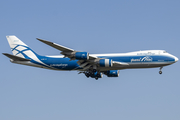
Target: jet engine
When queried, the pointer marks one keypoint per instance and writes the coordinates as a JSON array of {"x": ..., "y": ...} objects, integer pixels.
[
  {"x": 105, "y": 63},
  {"x": 82, "y": 55},
  {"x": 112, "y": 73}
]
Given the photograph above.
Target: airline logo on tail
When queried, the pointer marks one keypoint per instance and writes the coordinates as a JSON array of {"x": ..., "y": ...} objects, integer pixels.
[{"x": 19, "y": 48}]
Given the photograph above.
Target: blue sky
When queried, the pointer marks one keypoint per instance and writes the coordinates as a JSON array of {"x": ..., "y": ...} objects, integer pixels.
[{"x": 96, "y": 26}]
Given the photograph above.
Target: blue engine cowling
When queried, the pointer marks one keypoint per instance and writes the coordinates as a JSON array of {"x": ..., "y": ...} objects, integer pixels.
[
  {"x": 82, "y": 55},
  {"x": 112, "y": 73},
  {"x": 105, "y": 63},
  {"x": 96, "y": 75}
]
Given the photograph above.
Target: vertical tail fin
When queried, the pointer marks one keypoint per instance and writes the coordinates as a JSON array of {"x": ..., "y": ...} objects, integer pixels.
[{"x": 19, "y": 48}]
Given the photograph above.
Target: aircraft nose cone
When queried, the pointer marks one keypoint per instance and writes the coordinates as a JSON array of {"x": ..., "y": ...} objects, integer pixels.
[{"x": 176, "y": 59}]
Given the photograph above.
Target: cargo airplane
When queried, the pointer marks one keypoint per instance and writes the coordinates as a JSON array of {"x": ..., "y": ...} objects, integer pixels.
[{"x": 92, "y": 65}]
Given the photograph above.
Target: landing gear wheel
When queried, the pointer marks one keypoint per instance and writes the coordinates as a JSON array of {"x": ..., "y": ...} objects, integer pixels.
[
  {"x": 94, "y": 70},
  {"x": 91, "y": 73},
  {"x": 160, "y": 72},
  {"x": 96, "y": 78},
  {"x": 87, "y": 75}
]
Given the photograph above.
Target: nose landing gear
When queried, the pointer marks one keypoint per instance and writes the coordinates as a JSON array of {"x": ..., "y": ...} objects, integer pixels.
[{"x": 160, "y": 72}]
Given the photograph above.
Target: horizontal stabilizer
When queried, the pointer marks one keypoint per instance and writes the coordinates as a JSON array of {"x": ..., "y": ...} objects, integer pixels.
[{"x": 15, "y": 58}]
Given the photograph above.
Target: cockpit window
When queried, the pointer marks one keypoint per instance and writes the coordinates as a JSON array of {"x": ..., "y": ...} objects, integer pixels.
[{"x": 164, "y": 52}]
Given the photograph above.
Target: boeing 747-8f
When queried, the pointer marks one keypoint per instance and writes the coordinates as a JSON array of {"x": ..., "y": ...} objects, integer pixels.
[{"x": 92, "y": 65}]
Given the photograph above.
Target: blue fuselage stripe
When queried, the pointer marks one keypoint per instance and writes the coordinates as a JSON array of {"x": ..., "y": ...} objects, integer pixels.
[{"x": 66, "y": 64}]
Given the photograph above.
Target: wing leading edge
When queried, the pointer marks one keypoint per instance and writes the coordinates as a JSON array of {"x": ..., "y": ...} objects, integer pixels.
[{"x": 54, "y": 45}]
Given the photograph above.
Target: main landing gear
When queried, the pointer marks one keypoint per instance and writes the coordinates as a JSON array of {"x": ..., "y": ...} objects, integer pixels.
[
  {"x": 93, "y": 73},
  {"x": 160, "y": 72}
]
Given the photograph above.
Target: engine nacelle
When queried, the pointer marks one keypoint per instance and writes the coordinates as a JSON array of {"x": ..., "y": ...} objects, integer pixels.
[
  {"x": 105, "y": 63},
  {"x": 96, "y": 75},
  {"x": 82, "y": 55},
  {"x": 112, "y": 73}
]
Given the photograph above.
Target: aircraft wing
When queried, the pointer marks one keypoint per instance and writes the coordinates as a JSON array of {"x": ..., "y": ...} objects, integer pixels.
[
  {"x": 62, "y": 48},
  {"x": 54, "y": 45},
  {"x": 85, "y": 63}
]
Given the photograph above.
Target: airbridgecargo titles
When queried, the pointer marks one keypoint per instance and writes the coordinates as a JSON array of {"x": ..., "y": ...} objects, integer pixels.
[
  {"x": 92, "y": 65},
  {"x": 148, "y": 59}
]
